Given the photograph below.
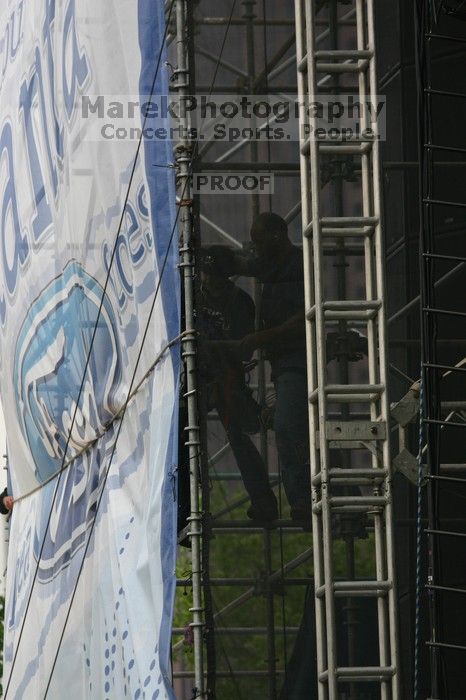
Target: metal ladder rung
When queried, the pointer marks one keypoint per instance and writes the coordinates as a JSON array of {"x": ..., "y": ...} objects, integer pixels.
[
  {"x": 347, "y": 232},
  {"x": 361, "y": 673},
  {"x": 353, "y": 310},
  {"x": 354, "y": 389},
  {"x": 349, "y": 220},
  {"x": 354, "y": 589},
  {"x": 344, "y": 53},
  {"x": 341, "y": 232},
  {"x": 366, "y": 394},
  {"x": 346, "y": 149},
  {"x": 336, "y": 53},
  {"x": 358, "y": 476},
  {"x": 351, "y": 226},
  {"x": 349, "y": 315},
  {"x": 349, "y": 310},
  {"x": 357, "y": 500},
  {"x": 347, "y": 481},
  {"x": 348, "y": 304},
  {"x": 353, "y": 398},
  {"x": 349, "y": 509},
  {"x": 338, "y": 148},
  {"x": 351, "y": 501},
  {"x": 342, "y": 140},
  {"x": 362, "y": 65}
]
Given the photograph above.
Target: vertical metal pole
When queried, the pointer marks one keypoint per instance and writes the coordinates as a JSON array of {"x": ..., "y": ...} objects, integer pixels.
[
  {"x": 383, "y": 364},
  {"x": 429, "y": 338},
  {"x": 249, "y": 17},
  {"x": 183, "y": 155},
  {"x": 371, "y": 293},
  {"x": 301, "y": 45},
  {"x": 320, "y": 350},
  {"x": 270, "y": 611}
]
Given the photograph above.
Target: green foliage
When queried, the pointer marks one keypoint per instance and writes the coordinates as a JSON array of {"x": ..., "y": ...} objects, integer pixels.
[{"x": 245, "y": 556}]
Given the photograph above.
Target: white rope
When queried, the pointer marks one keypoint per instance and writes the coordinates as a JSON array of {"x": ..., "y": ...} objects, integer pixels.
[{"x": 110, "y": 423}]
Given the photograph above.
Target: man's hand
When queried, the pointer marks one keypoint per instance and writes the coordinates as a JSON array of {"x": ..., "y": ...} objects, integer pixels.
[
  {"x": 8, "y": 502},
  {"x": 253, "y": 342}
]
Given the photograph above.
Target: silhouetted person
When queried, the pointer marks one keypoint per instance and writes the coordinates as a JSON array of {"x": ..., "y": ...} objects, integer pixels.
[
  {"x": 228, "y": 314},
  {"x": 278, "y": 264}
]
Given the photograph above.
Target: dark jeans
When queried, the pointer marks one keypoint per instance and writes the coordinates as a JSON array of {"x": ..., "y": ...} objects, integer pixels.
[
  {"x": 292, "y": 435},
  {"x": 251, "y": 465}
]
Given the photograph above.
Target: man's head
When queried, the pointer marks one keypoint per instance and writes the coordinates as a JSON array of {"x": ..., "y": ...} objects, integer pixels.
[
  {"x": 269, "y": 233},
  {"x": 214, "y": 283},
  {"x": 213, "y": 265}
]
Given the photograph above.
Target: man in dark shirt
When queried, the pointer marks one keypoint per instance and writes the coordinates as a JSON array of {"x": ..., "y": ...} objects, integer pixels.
[
  {"x": 228, "y": 314},
  {"x": 278, "y": 264}
]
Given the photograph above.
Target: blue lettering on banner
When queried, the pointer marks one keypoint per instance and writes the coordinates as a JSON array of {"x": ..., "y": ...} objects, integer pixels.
[
  {"x": 122, "y": 258},
  {"x": 142, "y": 204},
  {"x": 144, "y": 213},
  {"x": 131, "y": 249},
  {"x": 37, "y": 96},
  {"x": 48, "y": 44},
  {"x": 9, "y": 222},
  {"x": 136, "y": 246},
  {"x": 11, "y": 39},
  {"x": 15, "y": 30},
  {"x": 79, "y": 67},
  {"x": 43, "y": 218}
]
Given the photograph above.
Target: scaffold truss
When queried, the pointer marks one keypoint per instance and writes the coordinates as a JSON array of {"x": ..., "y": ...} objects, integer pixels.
[
  {"x": 349, "y": 419},
  {"x": 349, "y": 434}
]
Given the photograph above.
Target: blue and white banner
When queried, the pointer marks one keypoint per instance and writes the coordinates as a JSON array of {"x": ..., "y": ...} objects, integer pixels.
[{"x": 90, "y": 581}]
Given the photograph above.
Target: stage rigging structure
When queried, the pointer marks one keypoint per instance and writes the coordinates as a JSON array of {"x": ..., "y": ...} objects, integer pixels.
[
  {"x": 441, "y": 46},
  {"x": 372, "y": 434},
  {"x": 349, "y": 416}
]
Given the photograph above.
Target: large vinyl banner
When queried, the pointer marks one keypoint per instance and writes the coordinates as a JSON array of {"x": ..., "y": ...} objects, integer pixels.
[{"x": 86, "y": 232}]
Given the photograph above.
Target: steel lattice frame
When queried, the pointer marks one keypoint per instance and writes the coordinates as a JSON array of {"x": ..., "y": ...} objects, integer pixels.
[
  {"x": 370, "y": 313},
  {"x": 440, "y": 370},
  {"x": 368, "y": 228}
]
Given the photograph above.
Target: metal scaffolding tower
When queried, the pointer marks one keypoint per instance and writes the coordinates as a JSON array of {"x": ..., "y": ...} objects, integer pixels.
[
  {"x": 265, "y": 585},
  {"x": 441, "y": 38},
  {"x": 325, "y": 434},
  {"x": 347, "y": 417}
]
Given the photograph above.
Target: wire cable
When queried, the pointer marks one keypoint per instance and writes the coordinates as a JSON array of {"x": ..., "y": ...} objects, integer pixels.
[
  {"x": 93, "y": 338},
  {"x": 102, "y": 489},
  {"x": 420, "y": 477},
  {"x": 420, "y": 67},
  {"x": 137, "y": 361},
  {"x": 89, "y": 445},
  {"x": 239, "y": 695},
  {"x": 266, "y": 79},
  {"x": 280, "y": 500}
]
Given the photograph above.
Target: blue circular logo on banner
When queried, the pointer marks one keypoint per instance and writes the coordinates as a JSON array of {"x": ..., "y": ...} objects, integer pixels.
[
  {"x": 51, "y": 354},
  {"x": 50, "y": 370}
]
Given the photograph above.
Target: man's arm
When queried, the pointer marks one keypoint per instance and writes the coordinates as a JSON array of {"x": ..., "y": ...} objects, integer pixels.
[
  {"x": 231, "y": 262},
  {"x": 292, "y": 329}
]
